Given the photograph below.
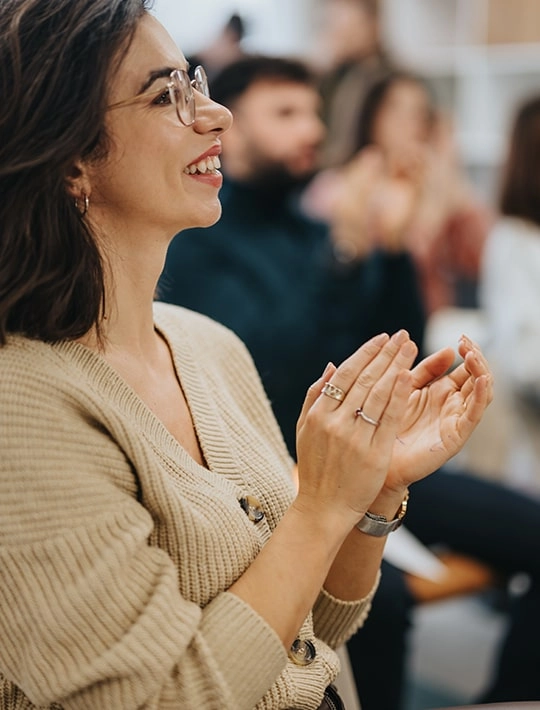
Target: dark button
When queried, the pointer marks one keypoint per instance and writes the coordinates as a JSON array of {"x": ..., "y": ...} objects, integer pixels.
[
  {"x": 302, "y": 652},
  {"x": 252, "y": 508}
]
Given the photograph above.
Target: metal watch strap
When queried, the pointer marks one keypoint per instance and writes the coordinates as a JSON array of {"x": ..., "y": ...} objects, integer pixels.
[{"x": 378, "y": 525}]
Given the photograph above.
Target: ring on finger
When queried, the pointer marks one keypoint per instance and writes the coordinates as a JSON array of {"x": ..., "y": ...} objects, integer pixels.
[
  {"x": 333, "y": 391},
  {"x": 360, "y": 413}
]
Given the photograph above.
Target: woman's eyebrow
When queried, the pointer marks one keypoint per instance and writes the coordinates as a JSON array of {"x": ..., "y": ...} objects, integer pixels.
[
  {"x": 153, "y": 76},
  {"x": 159, "y": 74}
]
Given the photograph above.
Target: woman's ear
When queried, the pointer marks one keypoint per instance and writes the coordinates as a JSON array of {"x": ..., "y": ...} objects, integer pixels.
[
  {"x": 78, "y": 187},
  {"x": 77, "y": 181}
]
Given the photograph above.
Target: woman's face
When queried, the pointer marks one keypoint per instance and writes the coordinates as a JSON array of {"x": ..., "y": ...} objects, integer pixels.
[
  {"x": 144, "y": 185},
  {"x": 403, "y": 118}
]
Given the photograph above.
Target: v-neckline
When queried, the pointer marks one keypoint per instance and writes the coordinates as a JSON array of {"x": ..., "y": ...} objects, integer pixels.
[{"x": 209, "y": 427}]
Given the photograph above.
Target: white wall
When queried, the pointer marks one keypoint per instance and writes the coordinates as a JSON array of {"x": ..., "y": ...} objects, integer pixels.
[{"x": 274, "y": 26}]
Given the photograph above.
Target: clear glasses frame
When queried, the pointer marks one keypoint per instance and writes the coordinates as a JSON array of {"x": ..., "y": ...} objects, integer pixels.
[{"x": 180, "y": 88}]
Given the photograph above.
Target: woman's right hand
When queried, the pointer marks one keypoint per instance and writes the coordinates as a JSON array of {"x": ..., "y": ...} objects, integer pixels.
[{"x": 342, "y": 458}]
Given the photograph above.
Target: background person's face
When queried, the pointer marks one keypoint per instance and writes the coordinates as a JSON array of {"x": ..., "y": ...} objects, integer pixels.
[
  {"x": 403, "y": 118},
  {"x": 276, "y": 126}
]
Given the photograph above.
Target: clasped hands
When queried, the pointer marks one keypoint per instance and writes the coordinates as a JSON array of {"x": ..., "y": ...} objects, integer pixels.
[
  {"x": 399, "y": 198},
  {"x": 420, "y": 418}
]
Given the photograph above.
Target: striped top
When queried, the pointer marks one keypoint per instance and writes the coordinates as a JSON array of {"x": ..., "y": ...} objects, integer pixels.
[{"x": 117, "y": 548}]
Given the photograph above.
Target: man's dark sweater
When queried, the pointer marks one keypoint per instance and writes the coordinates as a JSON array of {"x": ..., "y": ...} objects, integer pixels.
[{"x": 269, "y": 273}]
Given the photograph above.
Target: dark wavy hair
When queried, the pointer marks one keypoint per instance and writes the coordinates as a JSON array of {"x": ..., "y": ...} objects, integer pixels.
[
  {"x": 56, "y": 59},
  {"x": 520, "y": 189}
]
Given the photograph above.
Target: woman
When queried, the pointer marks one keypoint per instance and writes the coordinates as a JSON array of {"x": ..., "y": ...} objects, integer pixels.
[
  {"x": 510, "y": 292},
  {"x": 448, "y": 226},
  {"x": 406, "y": 190},
  {"x": 154, "y": 550}
]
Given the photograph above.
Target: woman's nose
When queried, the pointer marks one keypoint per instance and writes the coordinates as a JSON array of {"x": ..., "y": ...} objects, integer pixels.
[{"x": 211, "y": 116}]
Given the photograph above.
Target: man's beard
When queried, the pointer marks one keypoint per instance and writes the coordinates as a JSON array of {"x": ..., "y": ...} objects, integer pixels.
[{"x": 276, "y": 176}]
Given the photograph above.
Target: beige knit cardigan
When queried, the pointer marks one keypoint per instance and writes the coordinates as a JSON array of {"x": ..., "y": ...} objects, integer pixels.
[{"x": 117, "y": 548}]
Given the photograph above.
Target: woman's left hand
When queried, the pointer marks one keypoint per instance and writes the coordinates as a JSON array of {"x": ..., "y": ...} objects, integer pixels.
[{"x": 442, "y": 413}]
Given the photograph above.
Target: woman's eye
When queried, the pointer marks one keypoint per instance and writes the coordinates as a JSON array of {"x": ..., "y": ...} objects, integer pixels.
[{"x": 163, "y": 98}]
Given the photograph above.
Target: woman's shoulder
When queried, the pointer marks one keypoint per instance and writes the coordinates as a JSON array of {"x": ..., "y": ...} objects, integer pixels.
[
  {"x": 509, "y": 228},
  {"x": 24, "y": 356},
  {"x": 512, "y": 244},
  {"x": 33, "y": 373}
]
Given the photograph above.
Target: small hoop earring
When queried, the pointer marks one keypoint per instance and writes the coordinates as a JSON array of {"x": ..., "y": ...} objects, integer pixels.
[{"x": 86, "y": 204}]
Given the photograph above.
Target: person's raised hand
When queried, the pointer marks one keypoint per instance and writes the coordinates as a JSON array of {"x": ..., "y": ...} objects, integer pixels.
[
  {"x": 395, "y": 201},
  {"x": 347, "y": 428},
  {"x": 351, "y": 214}
]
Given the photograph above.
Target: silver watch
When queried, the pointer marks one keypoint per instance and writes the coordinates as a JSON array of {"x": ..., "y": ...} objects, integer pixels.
[{"x": 379, "y": 525}]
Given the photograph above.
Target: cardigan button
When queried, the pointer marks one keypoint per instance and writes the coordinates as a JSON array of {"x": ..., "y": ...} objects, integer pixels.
[
  {"x": 302, "y": 652},
  {"x": 252, "y": 508}
]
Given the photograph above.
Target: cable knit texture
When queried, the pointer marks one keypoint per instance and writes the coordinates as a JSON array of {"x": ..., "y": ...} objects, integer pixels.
[{"x": 117, "y": 548}]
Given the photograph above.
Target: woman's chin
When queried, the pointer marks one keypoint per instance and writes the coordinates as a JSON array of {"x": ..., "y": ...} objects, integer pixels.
[{"x": 208, "y": 216}]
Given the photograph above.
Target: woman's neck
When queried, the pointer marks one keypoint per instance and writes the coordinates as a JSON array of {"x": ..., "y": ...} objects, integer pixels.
[{"x": 127, "y": 323}]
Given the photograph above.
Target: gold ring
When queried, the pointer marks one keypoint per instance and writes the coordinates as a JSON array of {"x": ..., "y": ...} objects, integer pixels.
[{"x": 333, "y": 391}]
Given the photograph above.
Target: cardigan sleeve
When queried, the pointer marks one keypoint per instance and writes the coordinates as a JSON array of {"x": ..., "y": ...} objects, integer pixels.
[
  {"x": 335, "y": 620},
  {"x": 90, "y": 613}
]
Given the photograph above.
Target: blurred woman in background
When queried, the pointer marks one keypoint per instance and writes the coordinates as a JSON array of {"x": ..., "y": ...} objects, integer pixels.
[
  {"x": 510, "y": 296},
  {"x": 449, "y": 225}
]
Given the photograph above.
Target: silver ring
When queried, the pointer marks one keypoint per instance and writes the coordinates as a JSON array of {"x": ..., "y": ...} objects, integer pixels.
[
  {"x": 333, "y": 391},
  {"x": 360, "y": 413}
]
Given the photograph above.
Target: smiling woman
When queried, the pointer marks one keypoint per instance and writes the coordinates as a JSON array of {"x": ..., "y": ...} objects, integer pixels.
[{"x": 154, "y": 551}]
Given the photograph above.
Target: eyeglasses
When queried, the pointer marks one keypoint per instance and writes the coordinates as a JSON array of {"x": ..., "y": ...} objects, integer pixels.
[{"x": 179, "y": 91}]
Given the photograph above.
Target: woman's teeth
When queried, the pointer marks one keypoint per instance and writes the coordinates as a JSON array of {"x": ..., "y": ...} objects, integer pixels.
[{"x": 208, "y": 165}]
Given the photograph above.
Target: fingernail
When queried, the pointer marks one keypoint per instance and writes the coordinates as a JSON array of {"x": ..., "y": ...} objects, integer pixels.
[
  {"x": 327, "y": 369},
  {"x": 400, "y": 337},
  {"x": 380, "y": 339},
  {"x": 409, "y": 349}
]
